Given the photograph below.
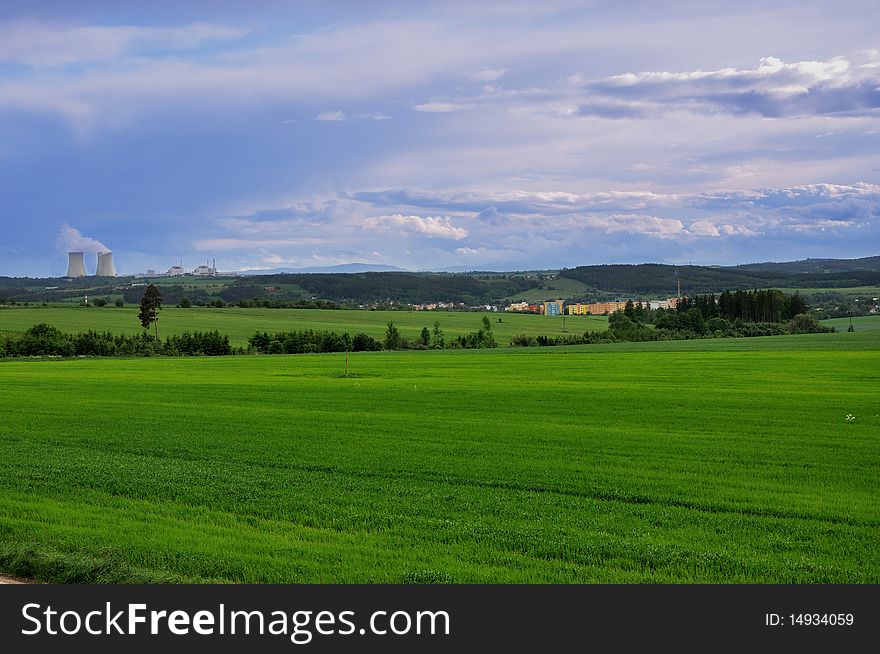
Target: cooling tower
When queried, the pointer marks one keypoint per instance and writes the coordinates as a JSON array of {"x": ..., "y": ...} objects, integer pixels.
[
  {"x": 105, "y": 265},
  {"x": 76, "y": 267}
]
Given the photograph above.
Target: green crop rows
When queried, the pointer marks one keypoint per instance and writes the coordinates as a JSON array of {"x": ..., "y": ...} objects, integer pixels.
[{"x": 723, "y": 460}]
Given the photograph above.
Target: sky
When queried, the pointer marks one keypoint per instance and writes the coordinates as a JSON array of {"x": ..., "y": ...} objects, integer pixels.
[{"x": 455, "y": 135}]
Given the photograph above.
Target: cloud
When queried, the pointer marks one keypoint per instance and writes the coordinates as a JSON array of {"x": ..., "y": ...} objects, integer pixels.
[
  {"x": 331, "y": 116},
  {"x": 772, "y": 88},
  {"x": 441, "y": 227},
  {"x": 523, "y": 229},
  {"x": 703, "y": 228},
  {"x": 46, "y": 44},
  {"x": 441, "y": 107},
  {"x": 71, "y": 240},
  {"x": 339, "y": 116},
  {"x": 491, "y": 216},
  {"x": 487, "y": 75},
  {"x": 634, "y": 223}
]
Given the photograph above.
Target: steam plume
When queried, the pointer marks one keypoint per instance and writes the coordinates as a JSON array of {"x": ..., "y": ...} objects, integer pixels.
[{"x": 70, "y": 240}]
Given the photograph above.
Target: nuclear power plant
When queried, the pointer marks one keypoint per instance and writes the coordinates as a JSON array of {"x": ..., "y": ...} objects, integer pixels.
[
  {"x": 76, "y": 266},
  {"x": 105, "y": 265}
]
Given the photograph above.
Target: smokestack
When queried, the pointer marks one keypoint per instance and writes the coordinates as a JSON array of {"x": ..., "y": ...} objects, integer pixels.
[
  {"x": 105, "y": 265},
  {"x": 76, "y": 267}
]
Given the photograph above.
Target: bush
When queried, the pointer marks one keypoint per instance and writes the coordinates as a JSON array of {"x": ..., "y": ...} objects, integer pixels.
[
  {"x": 364, "y": 343},
  {"x": 199, "y": 343},
  {"x": 803, "y": 323},
  {"x": 523, "y": 340}
]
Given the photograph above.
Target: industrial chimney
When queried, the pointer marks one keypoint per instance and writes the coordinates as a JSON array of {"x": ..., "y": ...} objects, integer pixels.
[
  {"x": 105, "y": 265},
  {"x": 76, "y": 267}
]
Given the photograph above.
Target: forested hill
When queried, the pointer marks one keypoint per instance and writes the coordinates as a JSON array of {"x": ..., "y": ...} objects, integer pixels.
[
  {"x": 399, "y": 286},
  {"x": 814, "y": 266},
  {"x": 653, "y": 278}
]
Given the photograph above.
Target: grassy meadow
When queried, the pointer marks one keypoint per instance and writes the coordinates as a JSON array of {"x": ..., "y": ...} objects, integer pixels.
[
  {"x": 724, "y": 460},
  {"x": 239, "y": 324},
  {"x": 859, "y": 323}
]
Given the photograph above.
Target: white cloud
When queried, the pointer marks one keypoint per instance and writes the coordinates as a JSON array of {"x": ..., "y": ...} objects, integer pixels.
[
  {"x": 441, "y": 107},
  {"x": 703, "y": 228},
  {"x": 636, "y": 224},
  {"x": 487, "y": 75},
  {"x": 772, "y": 88},
  {"x": 331, "y": 116},
  {"x": 441, "y": 227}
]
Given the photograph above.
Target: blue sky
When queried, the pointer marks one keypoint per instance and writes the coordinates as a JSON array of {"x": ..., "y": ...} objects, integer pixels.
[{"x": 431, "y": 135}]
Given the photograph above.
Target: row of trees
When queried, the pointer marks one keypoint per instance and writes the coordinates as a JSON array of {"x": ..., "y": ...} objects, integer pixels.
[
  {"x": 307, "y": 341},
  {"x": 47, "y": 340},
  {"x": 749, "y": 306},
  {"x": 303, "y": 342},
  {"x": 686, "y": 322},
  {"x": 767, "y": 306}
]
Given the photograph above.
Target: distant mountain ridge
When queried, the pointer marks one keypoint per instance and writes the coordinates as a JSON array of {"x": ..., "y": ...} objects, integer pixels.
[{"x": 339, "y": 268}]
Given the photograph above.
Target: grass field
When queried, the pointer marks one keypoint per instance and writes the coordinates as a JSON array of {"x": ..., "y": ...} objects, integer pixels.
[
  {"x": 852, "y": 291},
  {"x": 722, "y": 460},
  {"x": 859, "y": 323},
  {"x": 240, "y": 324},
  {"x": 551, "y": 289}
]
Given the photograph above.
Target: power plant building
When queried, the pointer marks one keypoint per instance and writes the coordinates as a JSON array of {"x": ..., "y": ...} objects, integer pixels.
[
  {"x": 105, "y": 265},
  {"x": 76, "y": 266}
]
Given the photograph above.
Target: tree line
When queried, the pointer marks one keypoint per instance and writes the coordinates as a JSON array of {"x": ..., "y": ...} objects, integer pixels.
[
  {"x": 47, "y": 340},
  {"x": 636, "y": 323},
  {"x": 651, "y": 278},
  {"x": 316, "y": 341}
]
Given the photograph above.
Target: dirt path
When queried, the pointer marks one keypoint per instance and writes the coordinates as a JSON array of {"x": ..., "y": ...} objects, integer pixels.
[{"x": 12, "y": 580}]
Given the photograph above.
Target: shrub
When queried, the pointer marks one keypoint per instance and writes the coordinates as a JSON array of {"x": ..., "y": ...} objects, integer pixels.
[{"x": 803, "y": 323}]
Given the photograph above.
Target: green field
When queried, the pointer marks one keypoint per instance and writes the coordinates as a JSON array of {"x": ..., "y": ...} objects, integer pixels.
[
  {"x": 240, "y": 324},
  {"x": 724, "y": 460},
  {"x": 552, "y": 289},
  {"x": 859, "y": 323},
  {"x": 851, "y": 291}
]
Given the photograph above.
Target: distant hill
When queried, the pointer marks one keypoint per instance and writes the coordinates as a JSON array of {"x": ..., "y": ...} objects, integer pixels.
[
  {"x": 814, "y": 265},
  {"x": 340, "y": 268},
  {"x": 659, "y": 279},
  {"x": 354, "y": 284}
]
